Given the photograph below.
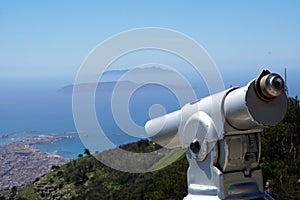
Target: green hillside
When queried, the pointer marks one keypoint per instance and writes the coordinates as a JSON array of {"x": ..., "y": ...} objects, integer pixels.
[{"x": 87, "y": 178}]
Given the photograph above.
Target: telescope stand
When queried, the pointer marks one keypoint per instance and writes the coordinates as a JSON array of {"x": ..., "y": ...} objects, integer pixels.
[{"x": 223, "y": 169}]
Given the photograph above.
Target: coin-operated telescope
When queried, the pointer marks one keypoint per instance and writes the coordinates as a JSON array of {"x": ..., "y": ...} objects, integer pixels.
[{"x": 222, "y": 135}]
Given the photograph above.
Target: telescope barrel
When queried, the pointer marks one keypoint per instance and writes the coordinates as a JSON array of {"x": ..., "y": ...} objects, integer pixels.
[
  {"x": 163, "y": 129},
  {"x": 262, "y": 102}
]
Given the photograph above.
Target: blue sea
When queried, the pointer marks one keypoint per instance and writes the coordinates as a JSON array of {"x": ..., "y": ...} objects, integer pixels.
[
  {"x": 37, "y": 107},
  {"x": 68, "y": 147}
]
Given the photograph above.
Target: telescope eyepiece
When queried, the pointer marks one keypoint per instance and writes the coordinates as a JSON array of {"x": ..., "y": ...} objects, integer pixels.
[
  {"x": 269, "y": 86},
  {"x": 272, "y": 85}
]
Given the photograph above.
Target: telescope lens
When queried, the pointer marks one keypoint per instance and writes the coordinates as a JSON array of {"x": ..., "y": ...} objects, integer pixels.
[{"x": 277, "y": 83}]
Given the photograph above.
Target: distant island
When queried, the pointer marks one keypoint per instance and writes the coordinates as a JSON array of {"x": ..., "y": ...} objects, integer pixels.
[
  {"x": 103, "y": 86},
  {"x": 110, "y": 78}
]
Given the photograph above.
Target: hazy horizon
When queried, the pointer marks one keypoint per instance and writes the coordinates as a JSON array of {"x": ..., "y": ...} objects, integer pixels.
[{"x": 44, "y": 44}]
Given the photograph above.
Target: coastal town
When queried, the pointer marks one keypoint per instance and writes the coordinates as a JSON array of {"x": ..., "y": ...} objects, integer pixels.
[{"x": 21, "y": 164}]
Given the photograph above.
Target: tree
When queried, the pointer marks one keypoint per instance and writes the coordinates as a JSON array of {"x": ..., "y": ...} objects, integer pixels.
[
  {"x": 54, "y": 167},
  {"x": 280, "y": 154},
  {"x": 87, "y": 152}
]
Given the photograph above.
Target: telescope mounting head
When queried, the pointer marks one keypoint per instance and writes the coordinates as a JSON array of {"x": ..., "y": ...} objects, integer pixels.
[{"x": 224, "y": 151}]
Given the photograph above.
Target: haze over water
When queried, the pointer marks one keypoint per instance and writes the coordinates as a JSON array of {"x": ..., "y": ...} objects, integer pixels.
[{"x": 44, "y": 44}]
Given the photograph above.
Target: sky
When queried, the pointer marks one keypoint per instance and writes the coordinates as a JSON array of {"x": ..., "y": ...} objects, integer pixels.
[{"x": 48, "y": 40}]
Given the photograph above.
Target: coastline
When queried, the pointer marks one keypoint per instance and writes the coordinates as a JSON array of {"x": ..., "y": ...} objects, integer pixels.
[{"x": 25, "y": 156}]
